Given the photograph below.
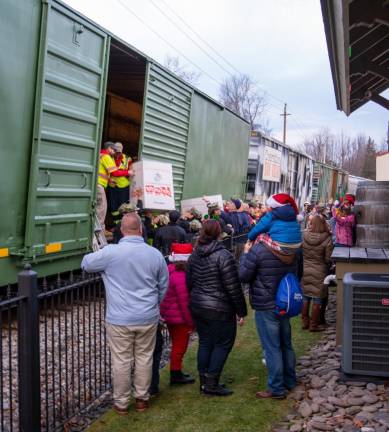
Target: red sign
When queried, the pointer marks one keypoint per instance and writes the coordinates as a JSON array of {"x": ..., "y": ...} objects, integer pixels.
[
  {"x": 158, "y": 190},
  {"x": 385, "y": 302}
]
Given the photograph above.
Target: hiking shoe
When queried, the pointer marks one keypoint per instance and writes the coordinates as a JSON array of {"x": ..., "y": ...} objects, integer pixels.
[{"x": 141, "y": 405}]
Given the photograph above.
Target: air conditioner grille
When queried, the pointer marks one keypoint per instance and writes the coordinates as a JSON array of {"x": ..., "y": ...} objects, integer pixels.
[{"x": 370, "y": 329}]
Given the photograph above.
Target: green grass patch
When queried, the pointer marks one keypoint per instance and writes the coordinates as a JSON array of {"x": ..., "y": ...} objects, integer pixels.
[{"x": 183, "y": 409}]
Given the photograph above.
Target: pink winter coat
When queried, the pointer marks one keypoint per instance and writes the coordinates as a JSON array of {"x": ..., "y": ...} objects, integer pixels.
[
  {"x": 344, "y": 229},
  {"x": 174, "y": 307}
]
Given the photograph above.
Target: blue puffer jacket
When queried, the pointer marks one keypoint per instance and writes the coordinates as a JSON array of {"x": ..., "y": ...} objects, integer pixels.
[
  {"x": 263, "y": 271},
  {"x": 281, "y": 225}
]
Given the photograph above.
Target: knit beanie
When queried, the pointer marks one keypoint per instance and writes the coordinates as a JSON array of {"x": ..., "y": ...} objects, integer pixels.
[
  {"x": 174, "y": 215},
  {"x": 237, "y": 203}
]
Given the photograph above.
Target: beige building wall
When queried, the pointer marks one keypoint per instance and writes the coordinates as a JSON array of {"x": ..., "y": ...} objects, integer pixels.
[{"x": 382, "y": 167}]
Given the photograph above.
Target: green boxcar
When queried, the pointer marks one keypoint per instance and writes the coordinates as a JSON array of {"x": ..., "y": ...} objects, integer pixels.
[
  {"x": 329, "y": 183},
  {"x": 67, "y": 84}
]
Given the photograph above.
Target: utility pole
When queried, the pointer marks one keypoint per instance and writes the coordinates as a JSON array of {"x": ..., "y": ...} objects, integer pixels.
[{"x": 284, "y": 115}]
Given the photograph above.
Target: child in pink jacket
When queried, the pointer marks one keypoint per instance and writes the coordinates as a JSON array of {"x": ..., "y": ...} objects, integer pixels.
[
  {"x": 345, "y": 225},
  {"x": 175, "y": 312}
]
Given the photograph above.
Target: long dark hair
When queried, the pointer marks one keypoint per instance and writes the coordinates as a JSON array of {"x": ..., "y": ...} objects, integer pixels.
[
  {"x": 181, "y": 266},
  {"x": 210, "y": 231}
]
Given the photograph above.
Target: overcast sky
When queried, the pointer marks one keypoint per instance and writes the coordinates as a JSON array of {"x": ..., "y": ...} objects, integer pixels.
[{"x": 280, "y": 43}]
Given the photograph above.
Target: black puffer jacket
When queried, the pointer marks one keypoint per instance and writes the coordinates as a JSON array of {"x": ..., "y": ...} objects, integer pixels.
[
  {"x": 263, "y": 271},
  {"x": 212, "y": 279}
]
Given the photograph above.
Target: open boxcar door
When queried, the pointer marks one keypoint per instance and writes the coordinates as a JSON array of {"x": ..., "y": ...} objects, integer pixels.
[
  {"x": 66, "y": 137},
  {"x": 166, "y": 120}
]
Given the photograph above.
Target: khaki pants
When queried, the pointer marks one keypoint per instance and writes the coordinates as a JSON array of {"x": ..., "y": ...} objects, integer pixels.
[
  {"x": 101, "y": 208},
  {"x": 131, "y": 346}
]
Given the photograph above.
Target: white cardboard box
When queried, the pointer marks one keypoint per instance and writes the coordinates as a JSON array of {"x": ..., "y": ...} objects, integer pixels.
[
  {"x": 153, "y": 184},
  {"x": 200, "y": 204}
]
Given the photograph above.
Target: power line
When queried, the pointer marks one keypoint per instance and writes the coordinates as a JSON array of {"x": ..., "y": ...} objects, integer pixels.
[
  {"x": 266, "y": 92},
  {"x": 191, "y": 39},
  {"x": 200, "y": 37},
  {"x": 166, "y": 41}
]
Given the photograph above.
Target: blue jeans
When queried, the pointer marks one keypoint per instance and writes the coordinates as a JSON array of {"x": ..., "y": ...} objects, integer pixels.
[
  {"x": 216, "y": 339},
  {"x": 276, "y": 338}
]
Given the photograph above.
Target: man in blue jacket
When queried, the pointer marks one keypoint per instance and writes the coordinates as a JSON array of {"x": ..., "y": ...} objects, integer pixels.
[
  {"x": 263, "y": 268},
  {"x": 136, "y": 278}
]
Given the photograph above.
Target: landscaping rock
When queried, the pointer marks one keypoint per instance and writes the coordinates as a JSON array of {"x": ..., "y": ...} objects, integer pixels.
[
  {"x": 305, "y": 409},
  {"x": 370, "y": 398},
  {"x": 356, "y": 383},
  {"x": 353, "y": 401},
  {"x": 316, "y": 382},
  {"x": 297, "y": 427},
  {"x": 320, "y": 426},
  {"x": 382, "y": 418},
  {"x": 353, "y": 410},
  {"x": 371, "y": 387}
]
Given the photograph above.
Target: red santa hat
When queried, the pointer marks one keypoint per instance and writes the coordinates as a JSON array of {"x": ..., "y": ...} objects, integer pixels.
[
  {"x": 350, "y": 198},
  {"x": 180, "y": 252},
  {"x": 281, "y": 200}
]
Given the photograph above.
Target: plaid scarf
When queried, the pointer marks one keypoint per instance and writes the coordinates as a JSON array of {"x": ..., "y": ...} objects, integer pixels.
[{"x": 268, "y": 241}]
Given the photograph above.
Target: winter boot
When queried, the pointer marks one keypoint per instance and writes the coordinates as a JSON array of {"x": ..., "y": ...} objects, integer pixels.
[
  {"x": 178, "y": 377},
  {"x": 202, "y": 382},
  {"x": 213, "y": 388},
  {"x": 322, "y": 316},
  {"x": 305, "y": 315},
  {"x": 314, "y": 325}
]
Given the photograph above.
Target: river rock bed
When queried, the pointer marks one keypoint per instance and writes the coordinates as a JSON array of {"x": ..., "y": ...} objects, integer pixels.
[{"x": 324, "y": 402}]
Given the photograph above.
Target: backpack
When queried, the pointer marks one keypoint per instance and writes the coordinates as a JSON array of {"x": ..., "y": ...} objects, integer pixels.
[{"x": 289, "y": 297}]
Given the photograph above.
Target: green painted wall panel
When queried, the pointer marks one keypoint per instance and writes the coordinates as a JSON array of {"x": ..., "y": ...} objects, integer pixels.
[{"x": 217, "y": 153}]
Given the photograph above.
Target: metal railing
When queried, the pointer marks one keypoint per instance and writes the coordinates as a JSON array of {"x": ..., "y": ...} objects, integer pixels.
[
  {"x": 74, "y": 357},
  {"x": 9, "y": 305},
  {"x": 54, "y": 359}
]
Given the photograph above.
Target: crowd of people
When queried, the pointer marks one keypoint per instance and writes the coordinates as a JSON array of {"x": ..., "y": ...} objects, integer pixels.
[{"x": 174, "y": 269}]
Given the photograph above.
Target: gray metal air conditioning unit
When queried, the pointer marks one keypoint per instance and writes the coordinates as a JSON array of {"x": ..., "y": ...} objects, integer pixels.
[{"x": 366, "y": 324}]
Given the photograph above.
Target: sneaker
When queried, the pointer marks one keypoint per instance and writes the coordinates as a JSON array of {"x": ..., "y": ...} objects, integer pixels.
[
  {"x": 120, "y": 411},
  {"x": 141, "y": 405}
]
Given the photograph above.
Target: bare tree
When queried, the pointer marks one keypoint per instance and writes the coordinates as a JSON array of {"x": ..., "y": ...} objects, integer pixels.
[
  {"x": 241, "y": 95},
  {"x": 320, "y": 146},
  {"x": 173, "y": 63},
  {"x": 341, "y": 150},
  {"x": 355, "y": 155}
]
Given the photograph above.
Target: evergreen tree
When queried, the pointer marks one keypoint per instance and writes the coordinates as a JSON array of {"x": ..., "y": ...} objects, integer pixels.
[{"x": 369, "y": 166}]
